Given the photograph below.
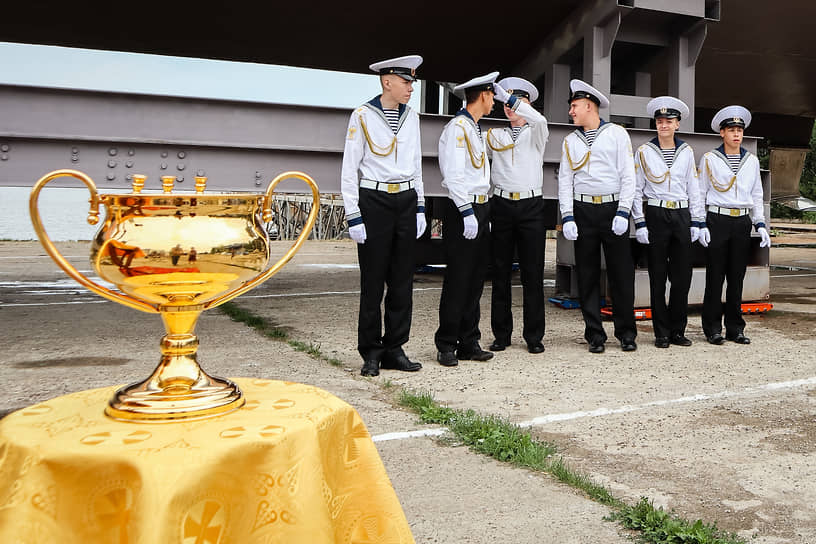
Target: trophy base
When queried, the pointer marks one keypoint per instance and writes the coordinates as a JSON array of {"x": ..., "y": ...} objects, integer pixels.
[{"x": 141, "y": 403}]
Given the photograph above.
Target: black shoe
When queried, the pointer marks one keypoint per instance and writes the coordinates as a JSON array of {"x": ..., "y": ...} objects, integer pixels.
[
  {"x": 399, "y": 362},
  {"x": 446, "y": 358},
  {"x": 662, "y": 342},
  {"x": 716, "y": 339},
  {"x": 538, "y": 347},
  {"x": 628, "y": 345},
  {"x": 596, "y": 347},
  {"x": 474, "y": 354},
  {"x": 497, "y": 346},
  {"x": 740, "y": 339},
  {"x": 370, "y": 368},
  {"x": 679, "y": 340}
]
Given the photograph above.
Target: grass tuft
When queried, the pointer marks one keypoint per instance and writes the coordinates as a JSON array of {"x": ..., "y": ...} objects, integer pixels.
[
  {"x": 657, "y": 526},
  {"x": 507, "y": 442}
]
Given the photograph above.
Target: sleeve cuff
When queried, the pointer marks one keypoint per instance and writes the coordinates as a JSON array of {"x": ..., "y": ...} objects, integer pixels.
[
  {"x": 698, "y": 224},
  {"x": 567, "y": 219},
  {"x": 760, "y": 225},
  {"x": 623, "y": 213},
  {"x": 465, "y": 209},
  {"x": 640, "y": 225},
  {"x": 513, "y": 102},
  {"x": 354, "y": 221}
]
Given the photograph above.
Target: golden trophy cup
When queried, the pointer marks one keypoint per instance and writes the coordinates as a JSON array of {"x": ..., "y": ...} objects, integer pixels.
[{"x": 176, "y": 254}]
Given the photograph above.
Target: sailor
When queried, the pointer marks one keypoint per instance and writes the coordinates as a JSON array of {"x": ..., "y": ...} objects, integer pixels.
[
  {"x": 732, "y": 189},
  {"x": 517, "y": 212},
  {"x": 465, "y": 224},
  {"x": 596, "y": 184},
  {"x": 666, "y": 178},
  {"x": 385, "y": 211}
]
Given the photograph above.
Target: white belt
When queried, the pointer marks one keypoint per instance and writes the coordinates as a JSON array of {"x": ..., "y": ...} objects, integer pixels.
[
  {"x": 520, "y": 195},
  {"x": 387, "y": 187},
  {"x": 733, "y": 212},
  {"x": 596, "y": 199},
  {"x": 670, "y": 204},
  {"x": 478, "y": 199}
]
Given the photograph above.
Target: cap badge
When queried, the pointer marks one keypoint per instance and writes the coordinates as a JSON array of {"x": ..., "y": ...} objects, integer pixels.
[
  {"x": 664, "y": 110},
  {"x": 737, "y": 120}
]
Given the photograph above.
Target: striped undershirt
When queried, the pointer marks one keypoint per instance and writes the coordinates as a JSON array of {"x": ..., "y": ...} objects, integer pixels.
[
  {"x": 590, "y": 135},
  {"x": 516, "y": 131},
  {"x": 668, "y": 155},
  {"x": 393, "y": 118},
  {"x": 734, "y": 161}
]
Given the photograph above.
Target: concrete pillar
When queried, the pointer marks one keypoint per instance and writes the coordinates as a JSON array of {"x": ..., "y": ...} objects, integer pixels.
[
  {"x": 556, "y": 93},
  {"x": 597, "y": 64},
  {"x": 683, "y": 53},
  {"x": 643, "y": 87}
]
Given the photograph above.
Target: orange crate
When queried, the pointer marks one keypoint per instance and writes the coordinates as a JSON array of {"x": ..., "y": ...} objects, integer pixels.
[{"x": 640, "y": 313}]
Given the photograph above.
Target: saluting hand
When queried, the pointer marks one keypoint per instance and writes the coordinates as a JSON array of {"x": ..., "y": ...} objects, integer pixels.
[{"x": 500, "y": 94}]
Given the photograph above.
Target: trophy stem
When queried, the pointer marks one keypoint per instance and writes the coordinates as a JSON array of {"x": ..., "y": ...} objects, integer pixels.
[{"x": 178, "y": 389}]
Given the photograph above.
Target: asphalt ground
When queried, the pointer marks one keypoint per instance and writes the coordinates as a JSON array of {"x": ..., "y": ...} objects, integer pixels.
[{"x": 723, "y": 433}]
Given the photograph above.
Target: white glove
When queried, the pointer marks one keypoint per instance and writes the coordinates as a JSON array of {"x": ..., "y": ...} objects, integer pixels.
[
  {"x": 421, "y": 224},
  {"x": 705, "y": 237},
  {"x": 500, "y": 94},
  {"x": 695, "y": 233},
  {"x": 358, "y": 233},
  {"x": 570, "y": 230},
  {"x": 620, "y": 225},
  {"x": 471, "y": 227},
  {"x": 642, "y": 235},
  {"x": 766, "y": 238}
]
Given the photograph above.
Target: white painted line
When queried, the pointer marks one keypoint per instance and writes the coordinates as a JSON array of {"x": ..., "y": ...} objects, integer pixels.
[
  {"x": 552, "y": 418},
  {"x": 795, "y": 276},
  {"x": 52, "y": 303},
  {"x": 408, "y": 434}
]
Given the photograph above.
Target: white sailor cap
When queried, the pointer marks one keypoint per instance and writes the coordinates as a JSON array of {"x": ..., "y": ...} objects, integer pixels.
[
  {"x": 482, "y": 83},
  {"x": 667, "y": 106},
  {"x": 519, "y": 87},
  {"x": 731, "y": 116},
  {"x": 405, "y": 67},
  {"x": 581, "y": 89}
]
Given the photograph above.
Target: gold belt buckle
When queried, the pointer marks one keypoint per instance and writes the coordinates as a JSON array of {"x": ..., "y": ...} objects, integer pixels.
[
  {"x": 393, "y": 187},
  {"x": 480, "y": 199},
  {"x": 670, "y": 204},
  {"x": 515, "y": 196},
  {"x": 734, "y": 212},
  {"x": 597, "y": 200}
]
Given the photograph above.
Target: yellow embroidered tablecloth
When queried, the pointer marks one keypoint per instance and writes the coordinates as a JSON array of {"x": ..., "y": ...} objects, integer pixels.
[{"x": 294, "y": 465}]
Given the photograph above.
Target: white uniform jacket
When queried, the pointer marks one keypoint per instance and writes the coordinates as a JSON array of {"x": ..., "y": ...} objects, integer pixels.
[
  {"x": 463, "y": 162},
  {"x": 721, "y": 187},
  {"x": 605, "y": 168},
  {"x": 654, "y": 179},
  {"x": 518, "y": 166},
  {"x": 374, "y": 153}
]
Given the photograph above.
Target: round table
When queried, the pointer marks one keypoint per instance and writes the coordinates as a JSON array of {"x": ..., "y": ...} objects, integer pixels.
[{"x": 294, "y": 465}]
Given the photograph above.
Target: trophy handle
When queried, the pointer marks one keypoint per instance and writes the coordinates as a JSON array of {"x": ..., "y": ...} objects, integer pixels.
[
  {"x": 93, "y": 219},
  {"x": 307, "y": 228}
]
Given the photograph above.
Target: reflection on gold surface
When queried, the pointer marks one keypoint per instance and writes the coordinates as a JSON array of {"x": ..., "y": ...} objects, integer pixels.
[{"x": 176, "y": 255}]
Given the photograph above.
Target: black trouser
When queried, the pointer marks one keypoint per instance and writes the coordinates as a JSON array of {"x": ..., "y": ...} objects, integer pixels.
[
  {"x": 669, "y": 257},
  {"x": 518, "y": 224},
  {"x": 464, "y": 280},
  {"x": 594, "y": 223},
  {"x": 386, "y": 258},
  {"x": 727, "y": 259}
]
